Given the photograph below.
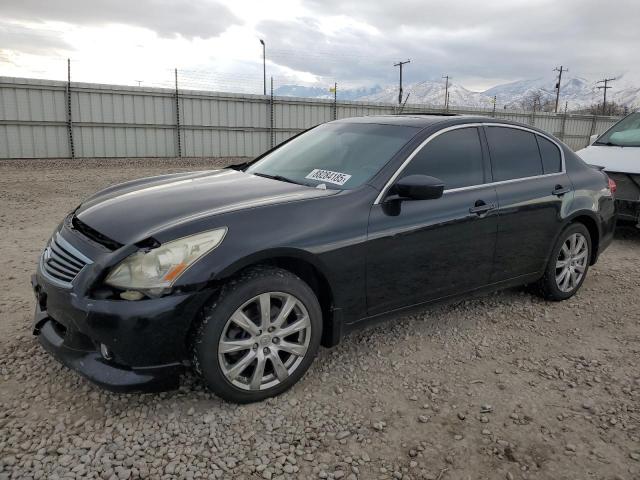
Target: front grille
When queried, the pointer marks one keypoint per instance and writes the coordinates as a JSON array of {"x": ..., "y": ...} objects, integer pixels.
[{"x": 62, "y": 262}]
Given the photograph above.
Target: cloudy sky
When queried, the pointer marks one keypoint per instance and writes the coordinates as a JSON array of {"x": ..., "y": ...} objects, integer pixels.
[{"x": 215, "y": 43}]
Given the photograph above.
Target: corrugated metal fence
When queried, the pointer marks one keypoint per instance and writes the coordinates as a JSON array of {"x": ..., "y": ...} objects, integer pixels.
[{"x": 47, "y": 119}]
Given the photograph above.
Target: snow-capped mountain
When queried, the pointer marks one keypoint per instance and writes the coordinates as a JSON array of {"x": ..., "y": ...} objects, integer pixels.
[
  {"x": 432, "y": 94},
  {"x": 576, "y": 91}
]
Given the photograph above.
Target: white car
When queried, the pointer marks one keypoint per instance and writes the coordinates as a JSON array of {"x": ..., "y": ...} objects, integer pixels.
[{"x": 618, "y": 151}]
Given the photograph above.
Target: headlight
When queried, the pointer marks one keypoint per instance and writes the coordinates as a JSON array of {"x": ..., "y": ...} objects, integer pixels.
[{"x": 160, "y": 268}]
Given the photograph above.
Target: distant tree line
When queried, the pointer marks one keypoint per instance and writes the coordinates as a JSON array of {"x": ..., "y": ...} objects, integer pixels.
[
  {"x": 542, "y": 101},
  {"x": 612, "y": 108},
  {"x": 538, "y": 101}
]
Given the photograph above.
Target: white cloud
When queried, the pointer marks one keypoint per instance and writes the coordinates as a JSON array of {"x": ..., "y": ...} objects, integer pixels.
[{"x": 216, "y": 45}]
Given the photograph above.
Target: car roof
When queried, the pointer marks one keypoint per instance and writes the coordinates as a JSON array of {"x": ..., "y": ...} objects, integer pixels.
[
  {"x": 436, "y": 120},
  {"x": 412, "y": 120},
  {"x": 420, "y": 120}
]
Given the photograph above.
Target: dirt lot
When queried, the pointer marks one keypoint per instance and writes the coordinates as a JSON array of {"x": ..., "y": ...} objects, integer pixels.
[{"x": 502, "y": 387}]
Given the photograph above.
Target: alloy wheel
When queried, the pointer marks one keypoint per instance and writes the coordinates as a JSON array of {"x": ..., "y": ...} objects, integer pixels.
[
  {"x": 264, "y": 341},
  {"x": 572, "y": 261}
]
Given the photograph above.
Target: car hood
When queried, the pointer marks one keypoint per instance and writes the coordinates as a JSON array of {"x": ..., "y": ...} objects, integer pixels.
[
  {"x": 613, "y": 159},
  {"x": 136, "y": 210}
]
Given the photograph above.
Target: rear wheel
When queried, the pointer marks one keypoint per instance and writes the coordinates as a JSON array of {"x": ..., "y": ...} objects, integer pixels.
[
  {"x": 259, "y": 337},
  {"x": 568, "y": 265}
]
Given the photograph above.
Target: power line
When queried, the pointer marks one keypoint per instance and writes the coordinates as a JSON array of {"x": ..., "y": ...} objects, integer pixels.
[
  {"x": 559, "y": 70},
  {"x": 400, "y": 64},
  {"x": 605, "y": 87}
]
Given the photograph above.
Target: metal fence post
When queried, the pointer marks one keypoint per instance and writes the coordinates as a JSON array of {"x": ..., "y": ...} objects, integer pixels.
[
  {"x": 335, "y": 101},
  {"x": 69, "y": 117},
  {"x": 178, "y": 139},
  {"x": 532, "y": 119},
  {"x": 594, "y": 123},
  {"x": 271, "y": 123}
]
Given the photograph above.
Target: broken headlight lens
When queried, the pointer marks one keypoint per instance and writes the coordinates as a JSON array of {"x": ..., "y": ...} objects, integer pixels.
[{"x": 160, "y": 267}]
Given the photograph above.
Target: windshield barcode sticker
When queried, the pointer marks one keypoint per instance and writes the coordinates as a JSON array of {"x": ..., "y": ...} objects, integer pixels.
[{"x": 328, "y": 176}]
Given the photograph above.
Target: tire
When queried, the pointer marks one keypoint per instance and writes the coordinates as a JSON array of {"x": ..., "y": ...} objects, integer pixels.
[
  {"x": 227, "y": 352},
  {"x": 553, "y": 286}
]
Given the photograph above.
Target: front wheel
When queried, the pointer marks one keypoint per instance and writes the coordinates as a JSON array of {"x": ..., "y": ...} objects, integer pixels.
[
  {"x": 259, "y": 337},
  {"x": 568, "y": 265}
]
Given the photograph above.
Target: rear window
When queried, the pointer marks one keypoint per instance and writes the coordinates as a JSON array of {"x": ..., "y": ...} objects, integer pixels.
[
  {"x": 514, "y": 153},
  {"x": 551, "y": 158}
]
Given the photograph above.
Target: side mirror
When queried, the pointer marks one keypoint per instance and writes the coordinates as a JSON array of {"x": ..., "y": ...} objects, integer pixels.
[
  {"x": 418, "y": 187},
  {"x": 592, "y": 139}
]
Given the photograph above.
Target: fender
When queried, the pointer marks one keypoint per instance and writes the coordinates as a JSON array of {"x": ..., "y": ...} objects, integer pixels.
[
  {"x": 569, "y": 219},
  {"x": 270, "y": 254},
  {"x": 332, "y": 312}
]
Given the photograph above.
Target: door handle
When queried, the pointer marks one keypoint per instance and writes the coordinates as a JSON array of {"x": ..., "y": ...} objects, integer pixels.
[
  {"x": 560, "y": 190},
  {"x": 481, "y": 207}
]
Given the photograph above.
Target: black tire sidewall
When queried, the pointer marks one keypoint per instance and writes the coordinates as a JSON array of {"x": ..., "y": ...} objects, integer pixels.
[
  {"x": 550, "y": 286},
  {"x": 215, "y": 316}
]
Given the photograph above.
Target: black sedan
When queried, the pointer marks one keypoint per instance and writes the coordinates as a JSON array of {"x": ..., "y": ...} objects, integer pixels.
[{"x": 242, "y": 273}]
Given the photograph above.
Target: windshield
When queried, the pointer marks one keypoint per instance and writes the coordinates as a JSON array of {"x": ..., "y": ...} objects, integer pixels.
[
  {"x": 625, "y": 133},
  {"x": 338, "y": 155}
]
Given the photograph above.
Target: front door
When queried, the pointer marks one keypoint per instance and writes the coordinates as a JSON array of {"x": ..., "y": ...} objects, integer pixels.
[{"x": 421, "y": 250}]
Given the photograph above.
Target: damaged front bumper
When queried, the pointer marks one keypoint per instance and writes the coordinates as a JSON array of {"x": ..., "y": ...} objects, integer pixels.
[{"x": 122, "y": 346}]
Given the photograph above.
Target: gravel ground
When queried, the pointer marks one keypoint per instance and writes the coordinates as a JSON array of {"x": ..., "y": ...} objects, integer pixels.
[{"x": 505, "y": 386}]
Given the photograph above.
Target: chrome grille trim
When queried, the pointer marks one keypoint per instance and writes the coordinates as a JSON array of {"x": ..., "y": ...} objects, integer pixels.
[{"x": 61, "y": 262}]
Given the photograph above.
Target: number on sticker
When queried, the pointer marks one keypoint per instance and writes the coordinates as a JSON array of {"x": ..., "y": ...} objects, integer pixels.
[{"x": 336, "y": 178}]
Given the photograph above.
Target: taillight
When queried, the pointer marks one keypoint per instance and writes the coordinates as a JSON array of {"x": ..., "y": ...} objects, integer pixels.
[{"x": 612, "y": 185}]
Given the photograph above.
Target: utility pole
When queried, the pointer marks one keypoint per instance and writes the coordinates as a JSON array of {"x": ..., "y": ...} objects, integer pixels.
[
  {"x": 559, "y": 70},
  {"x": 405, "y": 102},
  {"x": 264, "y": 68},
  {"x": 446, "y": 92},
  {"x": 400, "y": 64},
  {"x": 564, "y": 121},
  {"x": 604, "y": 87}
]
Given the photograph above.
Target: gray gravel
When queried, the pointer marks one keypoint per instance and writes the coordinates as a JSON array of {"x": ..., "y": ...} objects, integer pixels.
[{"x": 505, "y": 386}]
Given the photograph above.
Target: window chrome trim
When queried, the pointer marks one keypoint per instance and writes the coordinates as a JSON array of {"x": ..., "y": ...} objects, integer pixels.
[
  {"x": 502, "y": 182},
  {"x": 400, "y": 169}
]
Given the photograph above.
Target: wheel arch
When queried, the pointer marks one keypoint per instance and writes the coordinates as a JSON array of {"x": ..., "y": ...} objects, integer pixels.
[
  {"x": 304, "y": 265},
  {"x": 588, "y": 219}
]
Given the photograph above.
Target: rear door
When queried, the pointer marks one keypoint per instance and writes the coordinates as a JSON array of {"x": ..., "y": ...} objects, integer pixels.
[
  {"x": 532, "y": 187},
  {"x": 419, "y": 250}
]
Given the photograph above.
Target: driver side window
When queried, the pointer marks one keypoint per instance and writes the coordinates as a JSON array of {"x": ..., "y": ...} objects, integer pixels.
[{"x": 454, "y": 157}]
